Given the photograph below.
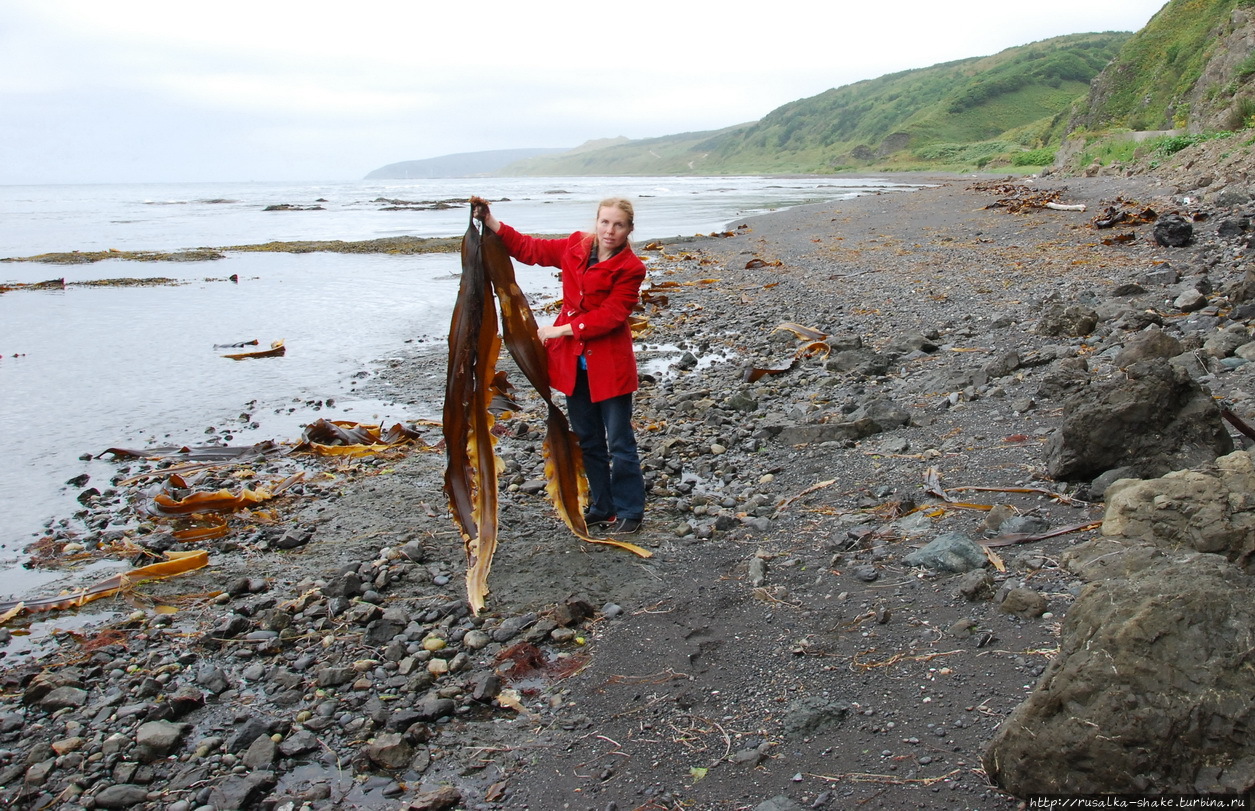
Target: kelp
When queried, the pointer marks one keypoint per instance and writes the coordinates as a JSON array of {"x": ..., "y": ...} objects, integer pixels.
[
  {"x": 276, "y": 350},
  {"x": 1124, "y": 213},
  {"x": 470, "y": 391},
  {"x": 219, "y": 501},
  {"x": 815, "y": 346},
  {"x": 343, "y": 438},
  {"x": 176, "y": 563},
  {"x": 202, "y": 453},
  {"x": 800, "y": 330}
]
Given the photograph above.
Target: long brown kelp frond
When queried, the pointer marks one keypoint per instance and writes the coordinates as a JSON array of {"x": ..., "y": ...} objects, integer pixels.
[
  {"x": 472, "y": 393},
  {"x": 564, "y": 464},
  {"x": 459, "y": 396},
  {"x": 471, "y": 472},
  {"x": 565, "y": 483}
]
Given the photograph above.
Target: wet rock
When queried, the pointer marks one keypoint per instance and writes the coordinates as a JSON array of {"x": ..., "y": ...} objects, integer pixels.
[
  {"x": 245, "y": 733},
  {"x": 212, "y": 678},
  {"x": 63, "y": 698},
  {"x": 299, "y": 743},
  {"x": 1157, "y": 419},
  {"x": 261, "y": 753},
  {"x": 441, "y": 799},
  {"x": 241, "y": 791},
  {"x": 157, "y": 739},
  {"x": 390, "y": 751}
]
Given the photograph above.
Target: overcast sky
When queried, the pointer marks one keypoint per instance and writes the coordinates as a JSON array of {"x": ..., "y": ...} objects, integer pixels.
[{"x": 133, "y": 91}]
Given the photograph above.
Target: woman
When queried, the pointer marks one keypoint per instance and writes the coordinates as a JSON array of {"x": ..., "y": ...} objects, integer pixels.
[{"x": 591, "y": 359}]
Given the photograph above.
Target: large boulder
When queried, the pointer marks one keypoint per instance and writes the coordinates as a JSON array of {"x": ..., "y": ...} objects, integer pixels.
[
  {"x": 1154, "y": 419},
  {"x": 1153, "y": 689},
  {"x": 1211, "y": 509},
  {"x": 1072, "y": 320}
]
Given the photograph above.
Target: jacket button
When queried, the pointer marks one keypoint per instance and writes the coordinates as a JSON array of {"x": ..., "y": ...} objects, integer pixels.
[{"x": 582, "y": 325}]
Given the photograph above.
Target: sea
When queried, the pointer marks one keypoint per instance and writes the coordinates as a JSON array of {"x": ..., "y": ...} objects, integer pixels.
[{"x": 87, "y": 368}]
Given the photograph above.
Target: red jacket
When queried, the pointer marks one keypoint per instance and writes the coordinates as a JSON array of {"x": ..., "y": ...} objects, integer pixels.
[{"x": 596, "y": 302}]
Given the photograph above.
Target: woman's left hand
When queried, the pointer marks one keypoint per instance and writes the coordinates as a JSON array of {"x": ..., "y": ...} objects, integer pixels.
[{"x": 546, "y": 333}]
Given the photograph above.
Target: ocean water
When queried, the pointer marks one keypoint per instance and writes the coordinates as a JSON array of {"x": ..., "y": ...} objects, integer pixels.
[{"x": 83, "y": 369}]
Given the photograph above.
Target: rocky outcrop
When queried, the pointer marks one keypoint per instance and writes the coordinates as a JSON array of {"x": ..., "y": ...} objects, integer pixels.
[
  {"x": 1155, "y": 419},
  {"x": 1152, "y": 690},
  {"x": 1206, "y": 510}
]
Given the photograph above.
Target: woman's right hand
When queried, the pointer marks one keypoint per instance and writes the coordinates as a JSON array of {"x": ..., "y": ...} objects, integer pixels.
[{"x": 481, "y": 211}]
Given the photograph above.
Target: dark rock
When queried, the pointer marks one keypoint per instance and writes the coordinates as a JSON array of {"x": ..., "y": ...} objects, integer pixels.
[
  {"x": 433, "y": 708},
  {"x": 245, "y": 733},
  {"x": 213, "y": 679},
  {"x": 1173, "y": 231},
  {"x": 122, "y": 795},
  {"x": 1152, "y": 343},
  {"x": 63, "y": 697},
  {"x": 1066, "y": 320},
  {"x": 390, "y": 750},
  {"x": 976, "y": 585},
  {"x": 1156, "y": 419},
  {"x": 241, "y": 791},
  {"x": 813, "y": 715},
  {"x": 441, "y": 799}
]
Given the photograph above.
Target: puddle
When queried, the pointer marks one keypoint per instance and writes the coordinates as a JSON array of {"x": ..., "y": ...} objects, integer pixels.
[
  {"x": 34, "y": 641},
  {"x": 662, "y": 361}
]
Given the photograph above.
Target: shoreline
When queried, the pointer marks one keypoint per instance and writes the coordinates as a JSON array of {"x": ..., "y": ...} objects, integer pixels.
[{"x": 759, "y": 643}]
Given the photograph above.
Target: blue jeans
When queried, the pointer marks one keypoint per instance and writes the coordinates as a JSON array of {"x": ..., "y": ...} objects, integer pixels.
[{"x": 608, "y": 443}]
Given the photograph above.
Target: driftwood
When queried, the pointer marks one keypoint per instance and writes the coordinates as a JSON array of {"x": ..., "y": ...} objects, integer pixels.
[{"x": 1066, "y": 206}]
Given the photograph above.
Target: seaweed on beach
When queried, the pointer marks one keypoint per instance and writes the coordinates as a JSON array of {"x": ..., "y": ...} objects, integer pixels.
[
  {"x": 472, "y": 385},
  {"x": 340, "y": 438},
  {"x": 176, "y": 563}
]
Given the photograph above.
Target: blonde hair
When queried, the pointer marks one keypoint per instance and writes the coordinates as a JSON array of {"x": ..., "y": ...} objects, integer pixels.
[{"x": 624, "y": 205}]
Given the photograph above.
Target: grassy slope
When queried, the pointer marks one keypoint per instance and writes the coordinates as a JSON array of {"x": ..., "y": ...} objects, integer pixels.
[
  {"x": 1011, "y": 98},
  {"x": 1145, "y": 83}
]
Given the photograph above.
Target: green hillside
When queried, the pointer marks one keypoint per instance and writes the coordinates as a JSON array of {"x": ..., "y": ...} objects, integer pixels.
[
  {"x": 969, "y": 112},
  {"x": 1173, "y": 72}
]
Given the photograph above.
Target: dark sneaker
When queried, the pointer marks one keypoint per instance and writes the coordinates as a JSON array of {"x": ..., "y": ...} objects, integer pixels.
[
  {"x": 624, "y": 526},
  {"x": 597, "y": 520}
]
